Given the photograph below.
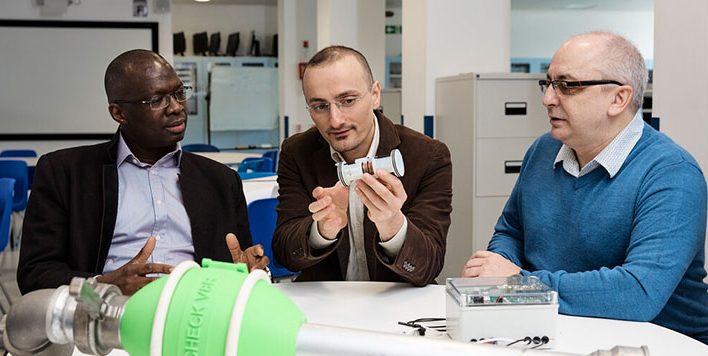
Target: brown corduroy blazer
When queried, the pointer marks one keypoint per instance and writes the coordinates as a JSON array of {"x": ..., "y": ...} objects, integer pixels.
[{"x": 305, "y": 163}]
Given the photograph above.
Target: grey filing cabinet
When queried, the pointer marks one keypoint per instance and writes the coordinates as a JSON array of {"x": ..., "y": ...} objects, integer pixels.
[{"x": 488, "y": 121}]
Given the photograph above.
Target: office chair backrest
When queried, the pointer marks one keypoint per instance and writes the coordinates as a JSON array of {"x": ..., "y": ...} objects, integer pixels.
[
  {"x": 18, "y": 171},
  {"x": 22, "y": 153},
  {"x": 7, "y": 186},
  {"x": 18, "y": 153},
  {"x": 200, "y": 147},
  {"x": 256, "y": 164},
  {"x": 255, "y": 175},
  {"x": 261, "y": 219},
  {"x": 273, "y": 154}
]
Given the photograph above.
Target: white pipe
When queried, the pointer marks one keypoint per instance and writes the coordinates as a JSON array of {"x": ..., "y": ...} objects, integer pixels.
[{"x": 321, "y": 340}]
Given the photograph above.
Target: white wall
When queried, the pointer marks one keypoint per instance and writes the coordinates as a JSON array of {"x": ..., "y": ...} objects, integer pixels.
[
  {"x": 296, "y": 22},
  {"x": 93, "y": 10},
  {"x": 371, "y": 36},
  {"x": 443, "y": 38},
  {"x": 413, "y": 64},
  {"x": 537, "y": 34},
  {"x": 681, "y": 75},
  {"x": 226, "y": 19},
  {"x": 358, "y": 24},
  {"x": 271, "y": 20}
]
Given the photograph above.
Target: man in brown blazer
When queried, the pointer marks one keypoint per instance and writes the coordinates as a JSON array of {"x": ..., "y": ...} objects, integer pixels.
[{"x": 380, "y": 228}]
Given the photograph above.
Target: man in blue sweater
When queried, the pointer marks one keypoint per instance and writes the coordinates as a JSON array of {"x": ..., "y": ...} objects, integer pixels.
[{"x": 606, "y": 210}]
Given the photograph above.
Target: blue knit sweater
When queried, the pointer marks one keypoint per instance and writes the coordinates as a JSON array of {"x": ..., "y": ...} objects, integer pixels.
[{"x": 629, "y": 247}]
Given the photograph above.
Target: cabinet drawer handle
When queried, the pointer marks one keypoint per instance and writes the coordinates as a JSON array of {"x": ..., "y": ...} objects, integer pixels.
[
  {"x": 515, "y": 108},
  {"x": 511, "y": 167}
]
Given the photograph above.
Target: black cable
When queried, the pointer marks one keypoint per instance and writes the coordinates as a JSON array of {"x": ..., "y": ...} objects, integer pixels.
[
  {"x": 421, "y": 328},
  {"x": 427, "y": 320},
  {"x": 526, "y": 339}
]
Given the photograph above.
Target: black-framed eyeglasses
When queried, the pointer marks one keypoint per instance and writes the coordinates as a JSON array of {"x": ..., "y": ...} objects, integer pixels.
[
  {"x": 159, "y": 102},
  {"x": 567, "y": 87}
]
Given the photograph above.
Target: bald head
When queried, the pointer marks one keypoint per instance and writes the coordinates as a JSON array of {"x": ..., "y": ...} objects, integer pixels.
[
  {"x": 615, "y": 57},
  {"x": 333, "y": 54},
  {"x": 127, "y": 71}
]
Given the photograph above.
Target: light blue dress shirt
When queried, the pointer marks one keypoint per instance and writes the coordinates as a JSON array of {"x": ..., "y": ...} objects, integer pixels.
[{"x": 149, "y": 204}]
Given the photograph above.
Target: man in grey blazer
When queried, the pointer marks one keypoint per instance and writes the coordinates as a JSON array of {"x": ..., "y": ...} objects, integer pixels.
[
  {"x": 380, "y": 228},
  {"x": 135, "y": 206}
]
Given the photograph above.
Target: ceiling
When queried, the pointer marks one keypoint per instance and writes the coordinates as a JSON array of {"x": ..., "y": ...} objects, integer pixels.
[
  {"x": 389, "y": 3},
  {"x": 613, "y": 5},
  {"x": 230, "y": 2}
]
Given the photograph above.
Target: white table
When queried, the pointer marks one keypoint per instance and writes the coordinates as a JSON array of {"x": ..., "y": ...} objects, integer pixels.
[
  {"x": 228, "y": 158},
  {"x": 380, "y": 306},
  {"x": 260, "y": 188}
]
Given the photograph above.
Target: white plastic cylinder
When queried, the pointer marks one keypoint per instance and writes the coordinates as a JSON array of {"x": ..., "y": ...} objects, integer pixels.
[{"x": 350, "y": 172}]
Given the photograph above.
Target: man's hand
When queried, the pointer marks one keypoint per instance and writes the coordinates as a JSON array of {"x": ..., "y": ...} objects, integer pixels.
[
  {"x": 383, "y": 196},
  {"x": 253, "y": 256},
  {"x": 132, "y": 276},
  {"x": 330, "y": 209},
  {"x": 489, "y": 264}
]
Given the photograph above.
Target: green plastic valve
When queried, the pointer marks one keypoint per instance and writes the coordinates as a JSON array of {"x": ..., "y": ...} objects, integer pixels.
[{"x": 199, "y": 315}]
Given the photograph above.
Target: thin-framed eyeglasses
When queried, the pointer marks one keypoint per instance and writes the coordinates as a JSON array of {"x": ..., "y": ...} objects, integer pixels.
[
  {"x": 343, "y": 104},
  {"x": 159, "y": 102},
  {"x": 567, "y": 87}
]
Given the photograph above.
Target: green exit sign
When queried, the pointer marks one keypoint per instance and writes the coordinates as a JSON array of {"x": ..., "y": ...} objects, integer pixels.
[{"x": 394, "y": 29}]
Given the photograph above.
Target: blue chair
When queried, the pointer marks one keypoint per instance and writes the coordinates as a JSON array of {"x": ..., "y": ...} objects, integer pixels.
[
  {"x": 6, "y": 191},
  {"x": 7, "y": 186},
  {"x": 200, "y": 147},
  {"x": 272, "y": 155},
  {"x": 18, "y": 153},
  {"x": 262, "y": 218},
  {"x": 255, "y": 164},
  {"x": 22, "y": 153},
  {"x": 18, "y": 171},
  {"x": 254, "y": 175}
]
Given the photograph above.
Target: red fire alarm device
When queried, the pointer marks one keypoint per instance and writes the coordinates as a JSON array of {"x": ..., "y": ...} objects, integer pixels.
[{"x": 305, "y": 57}]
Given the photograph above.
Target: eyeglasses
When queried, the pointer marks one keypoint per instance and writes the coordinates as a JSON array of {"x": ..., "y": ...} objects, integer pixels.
[
  {"x": 159, "y": 102},
  {"x": 566, "y": 87},
  {"x": 343, "y": 105}
]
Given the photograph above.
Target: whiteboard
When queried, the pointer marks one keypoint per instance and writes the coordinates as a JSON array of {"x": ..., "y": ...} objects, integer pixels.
[
  {"x": 243, "y": 98},
  {"x": 51, "y": 75}
]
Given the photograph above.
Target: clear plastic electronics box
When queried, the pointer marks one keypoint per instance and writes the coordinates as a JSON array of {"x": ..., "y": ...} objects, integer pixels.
[{"x": 500, "y": 307}]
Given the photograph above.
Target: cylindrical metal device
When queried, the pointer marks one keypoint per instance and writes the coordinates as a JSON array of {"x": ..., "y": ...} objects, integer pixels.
[
  {"x": 392, "y": 163},
  {"x": 25, "y": 331}
]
